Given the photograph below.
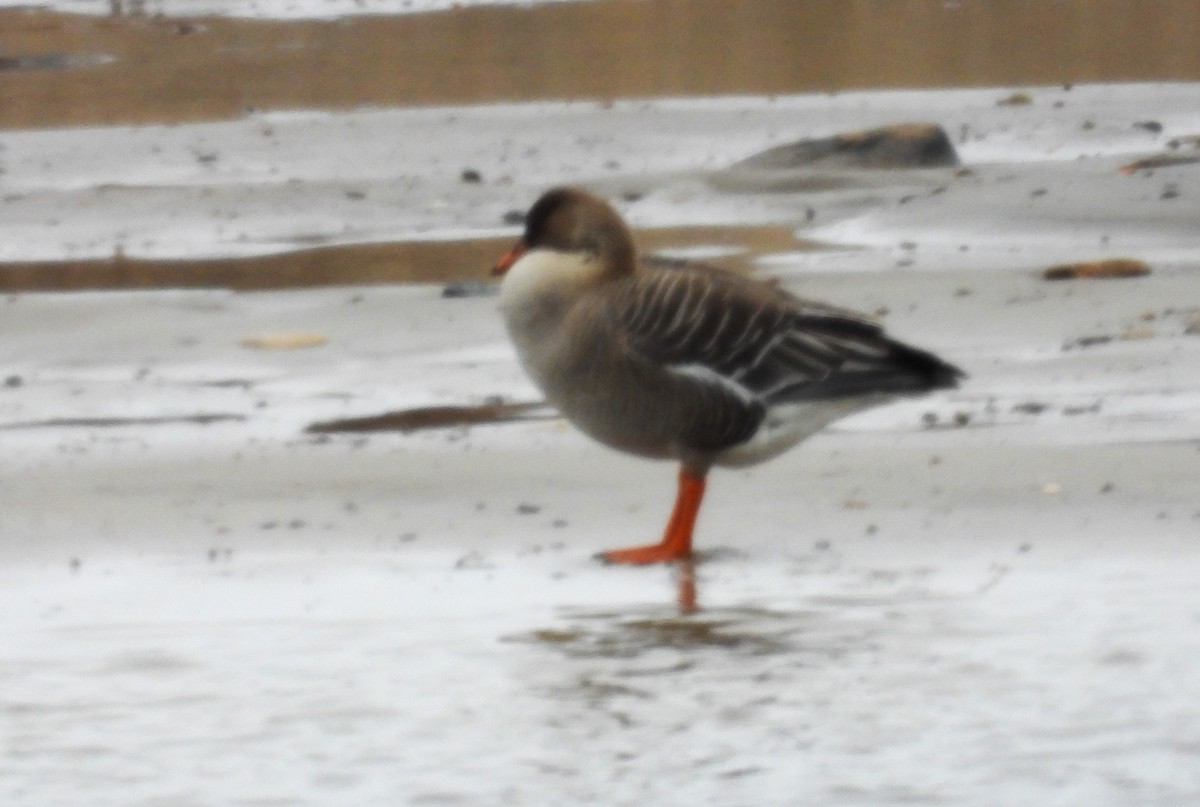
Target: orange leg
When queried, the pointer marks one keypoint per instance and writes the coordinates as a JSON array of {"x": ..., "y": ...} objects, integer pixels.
[{"x": 677, "y": 541}]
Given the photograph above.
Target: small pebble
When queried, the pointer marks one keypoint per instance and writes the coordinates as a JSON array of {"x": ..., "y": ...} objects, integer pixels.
[{"x": 461, "y": 289}]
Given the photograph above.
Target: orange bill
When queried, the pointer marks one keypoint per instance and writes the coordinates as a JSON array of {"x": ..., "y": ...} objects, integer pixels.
[{"x": 512, "y": 256}]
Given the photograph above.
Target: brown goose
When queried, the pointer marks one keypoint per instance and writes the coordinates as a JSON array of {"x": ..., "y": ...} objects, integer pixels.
[{"x": 686, "y": 362}]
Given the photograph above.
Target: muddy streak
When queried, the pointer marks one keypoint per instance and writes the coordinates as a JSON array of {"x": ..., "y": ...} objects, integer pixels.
[
  {"x": 187, "y": 70},
  {"x": 436, "y": 417},
  {"x": 356, "y": 264}
]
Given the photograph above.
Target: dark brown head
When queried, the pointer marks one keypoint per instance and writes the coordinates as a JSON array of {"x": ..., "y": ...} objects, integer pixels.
[{"x": 573, "y": 220}]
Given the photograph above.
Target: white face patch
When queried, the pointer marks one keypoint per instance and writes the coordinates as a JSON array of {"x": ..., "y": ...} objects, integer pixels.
[
  {"x": 543, "y": 272},
  {"x": 535, "y": 296}
]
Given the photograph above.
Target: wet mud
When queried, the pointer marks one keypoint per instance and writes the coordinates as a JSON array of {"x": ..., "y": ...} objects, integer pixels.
[
  {"x": 437, "y": 417},
  {"x": 359, "y": 264}
]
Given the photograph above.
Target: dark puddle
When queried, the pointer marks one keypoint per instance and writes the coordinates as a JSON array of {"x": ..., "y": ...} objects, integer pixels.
[{"x": 746, "y": 631}]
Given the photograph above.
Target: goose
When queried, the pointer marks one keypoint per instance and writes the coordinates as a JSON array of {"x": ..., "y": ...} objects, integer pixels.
[{"x": 682, "y": 361}]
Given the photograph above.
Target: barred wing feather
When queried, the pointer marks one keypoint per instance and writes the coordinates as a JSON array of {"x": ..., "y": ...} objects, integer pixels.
[{"x": 764, "y": 343}]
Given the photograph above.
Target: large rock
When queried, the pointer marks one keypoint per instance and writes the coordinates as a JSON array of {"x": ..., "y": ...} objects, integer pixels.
[{"x": 904, "y": 145}]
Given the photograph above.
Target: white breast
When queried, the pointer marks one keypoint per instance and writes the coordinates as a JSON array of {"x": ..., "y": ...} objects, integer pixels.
[{"x": 537, "y": 293}]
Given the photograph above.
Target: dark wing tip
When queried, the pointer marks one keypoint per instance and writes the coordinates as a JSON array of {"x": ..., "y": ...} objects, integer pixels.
[
  {"x": 868, "y": 362},
  {"x": 927, "y": 371}
]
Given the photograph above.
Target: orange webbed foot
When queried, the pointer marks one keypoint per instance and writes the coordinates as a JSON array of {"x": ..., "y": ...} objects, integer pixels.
[
  {"x": 645, "y": 555},
  {"x": 677, "y": 540}
]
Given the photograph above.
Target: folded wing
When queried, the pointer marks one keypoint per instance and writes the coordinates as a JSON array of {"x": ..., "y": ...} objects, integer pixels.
[{"x": 765, "y": 345}]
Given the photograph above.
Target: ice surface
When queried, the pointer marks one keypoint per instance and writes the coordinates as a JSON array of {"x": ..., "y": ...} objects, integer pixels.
[
  {"x": 982, "y": 597},
  {"x": 274, "y": 181}
]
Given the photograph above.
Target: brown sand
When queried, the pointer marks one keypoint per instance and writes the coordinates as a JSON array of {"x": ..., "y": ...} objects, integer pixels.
[{"x": 204, "y": 69}]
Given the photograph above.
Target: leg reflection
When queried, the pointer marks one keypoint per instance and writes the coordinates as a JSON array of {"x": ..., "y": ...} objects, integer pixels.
[{"x": 685, "y": 586}]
